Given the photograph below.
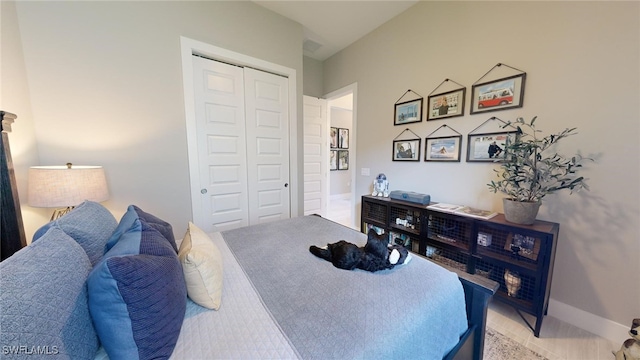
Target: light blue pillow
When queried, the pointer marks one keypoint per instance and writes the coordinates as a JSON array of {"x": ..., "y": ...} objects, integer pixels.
[
  {"x": 43, "y": 298},
  {"x": 90, "y": 224},
  {"x": 137, "y": 295}
]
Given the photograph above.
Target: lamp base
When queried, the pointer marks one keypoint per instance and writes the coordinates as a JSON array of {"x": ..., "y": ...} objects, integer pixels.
[{"x": 57, "y": 213}]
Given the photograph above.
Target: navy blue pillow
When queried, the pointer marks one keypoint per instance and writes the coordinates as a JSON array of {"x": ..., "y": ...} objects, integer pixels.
[
  {"x": 138, "y": 296},
  {"x": 162, "y": 226},
  {"x": 133, "y": 213}
]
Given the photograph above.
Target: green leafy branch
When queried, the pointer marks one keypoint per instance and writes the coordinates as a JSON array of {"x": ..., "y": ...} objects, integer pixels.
[{"x": 530, "y": 171}]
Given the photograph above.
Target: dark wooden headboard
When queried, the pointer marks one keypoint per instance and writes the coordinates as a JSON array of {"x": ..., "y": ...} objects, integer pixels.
[{"x": 11, "y": 230}]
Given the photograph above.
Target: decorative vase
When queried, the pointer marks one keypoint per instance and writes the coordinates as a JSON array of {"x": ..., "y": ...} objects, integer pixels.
[
  {"x": 520, "y": 212},
  {"x": 513, "y": 282}
]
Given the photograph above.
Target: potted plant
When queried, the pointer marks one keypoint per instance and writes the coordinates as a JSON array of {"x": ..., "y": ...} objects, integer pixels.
[{"x": 532, "y": 170}]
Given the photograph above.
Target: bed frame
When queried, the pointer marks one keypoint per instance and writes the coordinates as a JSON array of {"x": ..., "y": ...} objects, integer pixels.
[
  {"x": 12, "y": 230},
  {"x": 478, "y": 291}
]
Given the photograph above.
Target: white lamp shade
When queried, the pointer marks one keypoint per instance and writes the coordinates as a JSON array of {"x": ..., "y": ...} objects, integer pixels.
[{"x": 62, "y": 186}]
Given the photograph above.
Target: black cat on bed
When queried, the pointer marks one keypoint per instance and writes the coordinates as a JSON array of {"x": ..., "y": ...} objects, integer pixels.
[{"x": 375, "y": 255}]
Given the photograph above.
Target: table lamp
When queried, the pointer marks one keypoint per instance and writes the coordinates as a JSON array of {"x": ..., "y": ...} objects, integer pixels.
[{"x": 64, "y": 187}]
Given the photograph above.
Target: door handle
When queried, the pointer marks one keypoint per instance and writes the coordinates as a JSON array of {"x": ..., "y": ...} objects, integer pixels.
[
  {"x": 286, "y": 184},
  {"x": 203, "y": 191}
]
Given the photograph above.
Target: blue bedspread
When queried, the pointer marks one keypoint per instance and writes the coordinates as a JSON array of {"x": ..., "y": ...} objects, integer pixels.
[{"x": 414, "y": 311}]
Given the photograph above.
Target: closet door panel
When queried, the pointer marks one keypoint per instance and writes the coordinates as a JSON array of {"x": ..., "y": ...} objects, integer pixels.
[{"x": 220, "y": 114}]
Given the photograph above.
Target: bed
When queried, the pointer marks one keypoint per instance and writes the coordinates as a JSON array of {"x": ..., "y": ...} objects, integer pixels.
[
  {"x": 62, "y": 294},
  {"x": 281, "y": 302}
]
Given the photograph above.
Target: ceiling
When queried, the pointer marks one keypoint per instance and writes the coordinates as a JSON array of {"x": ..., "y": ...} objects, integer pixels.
[{"x": 330, "y": 26}]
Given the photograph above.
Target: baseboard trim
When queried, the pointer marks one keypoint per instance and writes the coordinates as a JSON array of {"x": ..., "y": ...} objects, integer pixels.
[{"x": 592, "y": 323}]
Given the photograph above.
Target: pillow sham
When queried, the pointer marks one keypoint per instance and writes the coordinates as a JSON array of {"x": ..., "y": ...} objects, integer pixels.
[
  {"x": 202, "y": 266},
  {"x": 162, "y": 226},
  {"x": 90, "y": 224},
  {"x": 43, "y": 298},
  {"x": 137, "y": 295},
  {"x": 130, "y": 216}
]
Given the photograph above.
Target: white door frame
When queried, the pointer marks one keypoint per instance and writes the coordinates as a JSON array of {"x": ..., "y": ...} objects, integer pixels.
[
  {"x": 349, "y": 89},
  {"x": 188, "y": 47}
]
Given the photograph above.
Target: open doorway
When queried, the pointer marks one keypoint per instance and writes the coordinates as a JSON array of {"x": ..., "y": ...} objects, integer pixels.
[{"x": 341, "y": 109}]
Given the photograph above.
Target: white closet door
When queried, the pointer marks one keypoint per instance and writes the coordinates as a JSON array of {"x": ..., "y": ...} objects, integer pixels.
[
  {"x": 315, "y": 156},
  {"x": 221, "y": 134},
  {"x": 242, "y": 118},
  {"x": 267, "y": 129}
]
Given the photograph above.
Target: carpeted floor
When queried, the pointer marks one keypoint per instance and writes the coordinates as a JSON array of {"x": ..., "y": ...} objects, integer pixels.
[{"x": 500, "y": 347}]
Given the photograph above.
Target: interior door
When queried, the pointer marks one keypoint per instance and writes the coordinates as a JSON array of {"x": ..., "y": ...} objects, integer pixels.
[
  {"x": 267, "y": 129},
  {"x": 315, "y": 156},
  {"x": 222, "y": 155}
]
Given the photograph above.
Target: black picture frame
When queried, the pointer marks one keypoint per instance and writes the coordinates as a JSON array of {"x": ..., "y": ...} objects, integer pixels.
[
  {"x": 408, "y": 112},
  {"x": 523, "y": 245},
  {"x": 478, "y": 146},
  {"x": 455, "y": 101},
  {"x": 500, "y": 94},
  {"x": 406, "y": 150},
  {"x": 333, "y": 160},
  {"x": 443, "y": 149},
  {"x": 343, "y": 138},
  {"x": 333, "y": 137},
  {"x": 343, "y": 159}
]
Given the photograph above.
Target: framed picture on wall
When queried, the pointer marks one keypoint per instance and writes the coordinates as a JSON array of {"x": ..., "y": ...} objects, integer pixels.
[
  {"x": 333, "y": 160},
  {"x": 446, "y": 105},
  {"x": 442, "y": 148},
  {"x": 488, "y": 147},
  {"x": 501, "y": 94},
  {"x": 343, "y": 159},
  {"x": 406, "y": 150},
  {"x": 343, "y": 138},
  {"x": 408, "y": 112},
  {"x": 333, "y": 136}
]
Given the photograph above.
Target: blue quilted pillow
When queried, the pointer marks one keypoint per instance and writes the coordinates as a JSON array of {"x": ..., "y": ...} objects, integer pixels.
[
  {"x": 134, "y": 213},
  {"x": 43, "y": 299},
  {"x": 162, "y": 226},
  {"x": 137, "y": 295},
  {"x": 90, "y": 224}
]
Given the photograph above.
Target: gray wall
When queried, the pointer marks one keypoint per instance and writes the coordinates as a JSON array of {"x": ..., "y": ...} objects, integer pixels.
[
  {"x": 14, "y": 97},
  {"x": 101, "y": 83},
  {"x": 312, "y": 77},
  {"x": 581, "y": 60}
]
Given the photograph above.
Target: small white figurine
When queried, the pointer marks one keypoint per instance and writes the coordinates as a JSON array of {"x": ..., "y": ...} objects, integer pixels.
[
  {"x": 630, "y": 349},
  {"x": 381, "y": 186}
]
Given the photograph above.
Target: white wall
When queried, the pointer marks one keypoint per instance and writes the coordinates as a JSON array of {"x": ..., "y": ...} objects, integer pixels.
[
  {"x": 581, "y": 60},
  {"x": 14, "y": 98},
  {"x": 104, "y": 87}
]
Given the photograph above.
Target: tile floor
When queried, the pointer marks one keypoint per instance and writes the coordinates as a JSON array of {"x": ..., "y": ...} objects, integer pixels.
[
  {"x": 558, "y": 340},
  {"x": 339, "y": 210}
]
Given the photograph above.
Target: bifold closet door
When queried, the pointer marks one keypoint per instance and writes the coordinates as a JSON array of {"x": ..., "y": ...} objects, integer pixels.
[
  {"x": 243, "y": 144},
  {"x": 267, "y": 126}
]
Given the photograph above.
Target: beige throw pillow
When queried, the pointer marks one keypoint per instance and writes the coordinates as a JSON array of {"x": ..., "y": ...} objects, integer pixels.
[{"x": 202, "y": 266}]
